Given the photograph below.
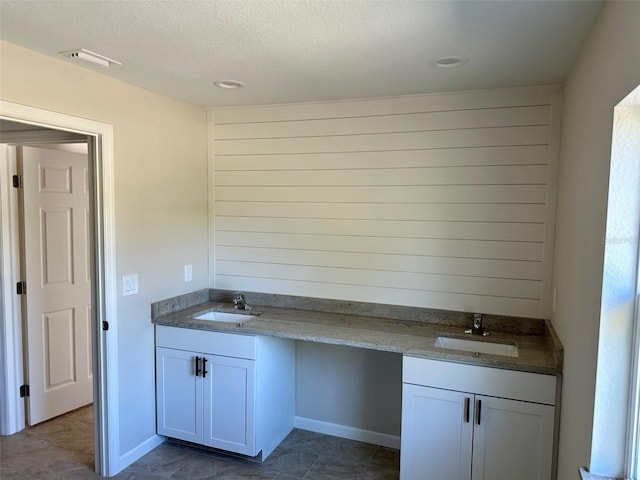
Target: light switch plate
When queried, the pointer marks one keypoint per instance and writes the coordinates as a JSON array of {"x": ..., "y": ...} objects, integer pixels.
[
  {"x": 188, "y": 273},
  {"x": 129, "y": 285}
]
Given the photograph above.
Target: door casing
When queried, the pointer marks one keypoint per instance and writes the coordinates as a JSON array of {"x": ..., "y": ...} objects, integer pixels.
[{"x": 104, "y": 288}]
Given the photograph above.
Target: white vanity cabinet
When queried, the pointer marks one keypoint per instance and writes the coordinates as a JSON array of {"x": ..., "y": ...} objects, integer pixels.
[
  {"x": 462, "y": 422},
  {"x": 223, "y": 390}
]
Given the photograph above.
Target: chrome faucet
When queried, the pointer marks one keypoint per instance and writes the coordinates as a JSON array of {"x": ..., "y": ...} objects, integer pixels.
[
  {"x": 240, "y": 301},
  {"x": 477, "y": 328}
]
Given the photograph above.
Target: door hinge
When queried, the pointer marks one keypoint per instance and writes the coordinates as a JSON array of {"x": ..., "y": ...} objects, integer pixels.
[
  {"x": 24, "y": 391},
  {"x": 21, "y": 288},
  {"x": 17, "y": 181}
]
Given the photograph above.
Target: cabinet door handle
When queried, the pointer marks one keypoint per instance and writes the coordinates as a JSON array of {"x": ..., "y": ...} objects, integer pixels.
[
  {"x": 478, "y": 407},
  {"x": 204, "y": 367},
  {"x": 467, "y": 402},
  {"x": 197, "y": 366}
]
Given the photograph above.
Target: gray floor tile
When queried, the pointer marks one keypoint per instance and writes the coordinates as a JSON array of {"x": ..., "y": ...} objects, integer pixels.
[
  {"x": 331, "y": 468},
  {"x": 63, "y": 448},
  {"x": 313, "y": 442},
  {"x": 137, "y": 476},
  {"x": 290, "y": 461},
  {"x": 163, "y": 461},
  {"x": 285, "y": 476},
  {"x": 10, "y": 474},
  {"x": 348, "y": 450},
  {"x": 207, "y": 467}
]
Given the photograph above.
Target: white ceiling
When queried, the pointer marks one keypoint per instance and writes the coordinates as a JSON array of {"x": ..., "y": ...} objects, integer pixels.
[{"x": 296, "y": 50}]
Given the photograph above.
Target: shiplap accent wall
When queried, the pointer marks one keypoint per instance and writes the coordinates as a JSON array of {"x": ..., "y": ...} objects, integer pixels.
[{"x": 442, "y": 201}]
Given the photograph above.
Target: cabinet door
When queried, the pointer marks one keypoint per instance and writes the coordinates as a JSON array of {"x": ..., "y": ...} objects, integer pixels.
[
  {"x": 437, "y": 428},
  {"x": 178, "y": 395},
  {"x": 513, "y": 439},
  {"x": 229, "y": 404}
]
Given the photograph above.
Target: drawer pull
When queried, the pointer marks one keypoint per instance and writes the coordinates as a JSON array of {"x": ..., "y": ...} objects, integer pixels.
[
  {"x": 197, "y": 366},
  {"x": 204, "y": 367},
  {"x": 467, "y": 402},
  {"x": 478, "y": 407}
]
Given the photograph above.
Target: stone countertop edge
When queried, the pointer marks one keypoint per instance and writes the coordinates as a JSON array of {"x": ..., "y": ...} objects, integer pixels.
[{"x": 406, "y": 330}]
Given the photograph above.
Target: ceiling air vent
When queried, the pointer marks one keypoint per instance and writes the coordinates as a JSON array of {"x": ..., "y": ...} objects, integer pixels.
[{"x": 88, "y": 57}]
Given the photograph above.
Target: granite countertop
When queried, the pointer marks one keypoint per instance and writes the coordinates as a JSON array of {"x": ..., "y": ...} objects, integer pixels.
[{"x": 404, "y": 330}]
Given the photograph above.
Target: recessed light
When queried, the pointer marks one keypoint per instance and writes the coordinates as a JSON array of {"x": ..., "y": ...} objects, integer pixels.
[
  {"x": 448, "y": 62},
  {"x": 228, "y": 84}
]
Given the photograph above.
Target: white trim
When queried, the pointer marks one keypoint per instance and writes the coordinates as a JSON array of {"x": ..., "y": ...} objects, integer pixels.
[
  {"x": 12, "y": 417},
  {"x": 351, "y": 433},
  {"x": 546, "y": 286},
  {"x": 140, "y": 450},
  {"x": 105, "y": 288},
  {"x": 632, "y": 466},
  {"x": 211, "y": 196}
]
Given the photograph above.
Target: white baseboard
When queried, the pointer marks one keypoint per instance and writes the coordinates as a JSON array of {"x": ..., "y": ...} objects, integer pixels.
[
  {"x": 138, "y": 452},
  {"x": 351, "y": 433}
]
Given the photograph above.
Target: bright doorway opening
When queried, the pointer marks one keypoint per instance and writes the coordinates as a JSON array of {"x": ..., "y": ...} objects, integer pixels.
[{"x": 103, "y": 285}]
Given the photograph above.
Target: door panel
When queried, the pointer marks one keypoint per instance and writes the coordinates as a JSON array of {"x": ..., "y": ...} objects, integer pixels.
[
  {"x": 523, "y": 429},
  {"x": 178, "y": 395},
  {"x": 59, "y": 348},
  {"x": 229, "y": 404},
  {"x": 437, "y": 429},
  {"x": 56, "y": 262},
  {"x": 56, "y": 243}
]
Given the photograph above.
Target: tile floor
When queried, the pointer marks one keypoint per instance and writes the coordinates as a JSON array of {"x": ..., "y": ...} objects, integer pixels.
[{"x": 63, "y": 449}]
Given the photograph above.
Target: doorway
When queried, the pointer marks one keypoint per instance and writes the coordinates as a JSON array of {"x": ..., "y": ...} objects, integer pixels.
[{"x": 99, "y": 137}]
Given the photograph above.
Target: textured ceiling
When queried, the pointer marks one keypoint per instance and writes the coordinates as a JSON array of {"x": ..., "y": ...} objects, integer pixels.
[{"x": 292, "y": 51}]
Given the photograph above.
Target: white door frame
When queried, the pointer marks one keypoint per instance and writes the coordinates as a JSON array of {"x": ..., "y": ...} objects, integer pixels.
[{"x": 103, "y": 291}]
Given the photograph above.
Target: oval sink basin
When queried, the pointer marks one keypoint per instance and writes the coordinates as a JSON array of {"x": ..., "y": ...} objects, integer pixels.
[
  {"x": 224, "y": 317},
  {"x": 477, "y": 346}
]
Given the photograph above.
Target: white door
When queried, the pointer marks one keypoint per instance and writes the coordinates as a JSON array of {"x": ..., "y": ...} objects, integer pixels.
[
  {"x": 512, "y": 439},
  {"x": 179, "y": 394},
  {"x": 229, "y": 409},
  {"x": 437, "y": 430},
  {"x": 58, "y": 294}
]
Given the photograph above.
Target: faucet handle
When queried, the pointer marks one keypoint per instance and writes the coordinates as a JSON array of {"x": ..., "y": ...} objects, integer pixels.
[
  {"x": 238, "y": 299},
  {"x": 477, "y": 328}
]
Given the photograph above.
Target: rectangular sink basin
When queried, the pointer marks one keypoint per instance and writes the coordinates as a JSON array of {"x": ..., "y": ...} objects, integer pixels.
[
  {"x": 227, "y": 317},
  {"x": 477, "y": 346}
]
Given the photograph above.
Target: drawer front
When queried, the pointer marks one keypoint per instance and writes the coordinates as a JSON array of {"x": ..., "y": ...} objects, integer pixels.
[
  {"x": 494, "y": 382},
  {"x": 214, "y": 343}
]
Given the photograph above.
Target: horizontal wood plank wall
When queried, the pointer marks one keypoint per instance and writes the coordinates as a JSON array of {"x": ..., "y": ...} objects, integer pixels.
[{"x": 437, "y": 201}]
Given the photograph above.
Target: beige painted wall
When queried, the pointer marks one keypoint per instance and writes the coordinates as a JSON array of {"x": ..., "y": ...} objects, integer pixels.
[
  {"x": 160, "y": 201},
  {"x": 606, "y": 70}
]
